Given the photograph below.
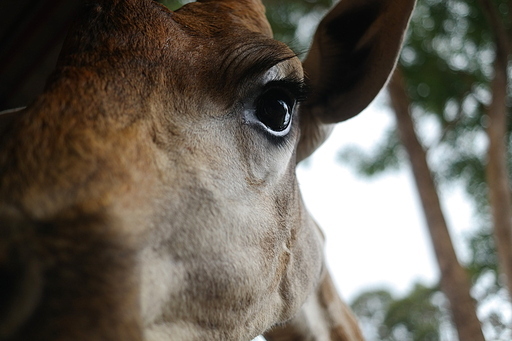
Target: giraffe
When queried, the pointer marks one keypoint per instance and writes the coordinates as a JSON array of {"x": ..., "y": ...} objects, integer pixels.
[{"x": 149, "y": 193}]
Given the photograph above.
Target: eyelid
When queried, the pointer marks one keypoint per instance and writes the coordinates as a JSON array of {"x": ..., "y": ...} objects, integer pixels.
[{"x": 295, "y": 86}]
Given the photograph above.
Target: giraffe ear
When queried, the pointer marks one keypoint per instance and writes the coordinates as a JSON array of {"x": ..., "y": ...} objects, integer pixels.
[{"x": 354, "y": 51}]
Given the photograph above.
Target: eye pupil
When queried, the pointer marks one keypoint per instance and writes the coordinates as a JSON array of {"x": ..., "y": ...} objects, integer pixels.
[{"x": 274, "y": 110}]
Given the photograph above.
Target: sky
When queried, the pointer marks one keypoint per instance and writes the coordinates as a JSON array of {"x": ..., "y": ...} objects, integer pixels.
[{"x": 376, "y": 236}]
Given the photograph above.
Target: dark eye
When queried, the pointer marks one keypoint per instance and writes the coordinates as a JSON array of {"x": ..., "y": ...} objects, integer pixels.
[{"x": 274, "y": 108}]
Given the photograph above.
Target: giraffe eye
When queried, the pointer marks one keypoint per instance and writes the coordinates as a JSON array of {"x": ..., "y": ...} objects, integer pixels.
[{"x": 274, "y": 108}]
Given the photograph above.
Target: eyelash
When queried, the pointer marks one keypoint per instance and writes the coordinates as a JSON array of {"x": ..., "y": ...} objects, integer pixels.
[{"x": 295, "y": 86}]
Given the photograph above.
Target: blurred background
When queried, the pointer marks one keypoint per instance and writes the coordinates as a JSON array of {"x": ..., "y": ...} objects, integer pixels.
[{"x": 413, "y": 194}]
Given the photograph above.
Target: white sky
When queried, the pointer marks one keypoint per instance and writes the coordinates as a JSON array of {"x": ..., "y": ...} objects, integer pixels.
[{"x": 376, "y": 236}]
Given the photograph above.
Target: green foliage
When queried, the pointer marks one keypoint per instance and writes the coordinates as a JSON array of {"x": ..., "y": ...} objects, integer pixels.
[
  {"x": 371, "y": 307},
  {"x": 417, "y": 316},
  {"x": 449, "y": 50},
  {"x": 293, "y": 21},
  {"x": 417, "y": 313},
  {"x": 471, "y": 168},
  {"x": 483, "y": 255},
  {"x": 389, "y": 155},
  {"x": 447, "y": 63}
]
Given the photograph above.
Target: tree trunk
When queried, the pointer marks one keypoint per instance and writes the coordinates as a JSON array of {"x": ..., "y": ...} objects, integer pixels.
[
  {"x": 496, "y": 168},
  {"x": 454, "y": 280}
]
